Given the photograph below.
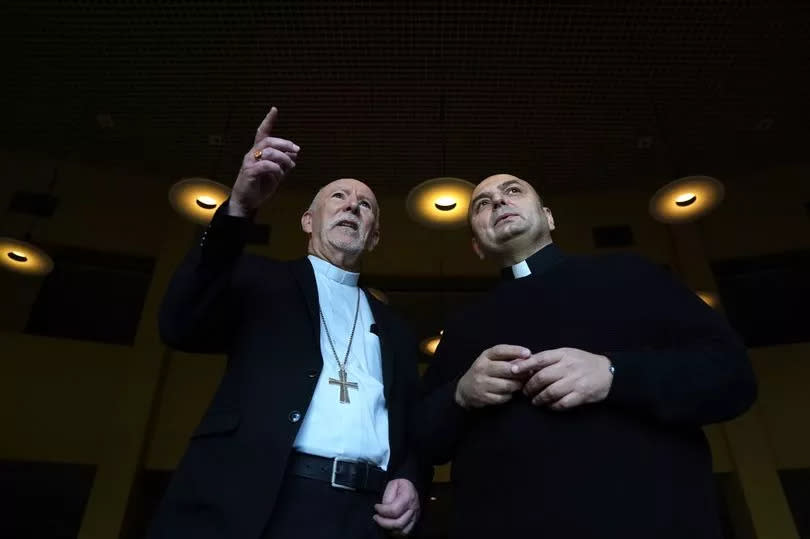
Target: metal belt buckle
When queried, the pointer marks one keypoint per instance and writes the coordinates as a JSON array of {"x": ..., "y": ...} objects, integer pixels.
[{"x": 334, "y": 471}]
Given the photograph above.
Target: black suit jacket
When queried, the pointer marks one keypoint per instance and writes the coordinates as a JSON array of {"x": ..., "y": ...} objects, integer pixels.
[{"x": 264, "y": 314}]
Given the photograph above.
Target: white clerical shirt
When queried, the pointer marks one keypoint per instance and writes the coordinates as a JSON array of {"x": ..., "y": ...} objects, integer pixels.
[{"x": 359, "y": 429}]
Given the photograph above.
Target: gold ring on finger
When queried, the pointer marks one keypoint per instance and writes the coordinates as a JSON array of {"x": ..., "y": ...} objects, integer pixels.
[{"x": 257, "y": 155}]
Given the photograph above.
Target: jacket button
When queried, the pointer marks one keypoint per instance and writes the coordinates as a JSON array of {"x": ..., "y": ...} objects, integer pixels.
[
  {"x": 295, "y": 416},
  {"x": 312, "y": 374}
]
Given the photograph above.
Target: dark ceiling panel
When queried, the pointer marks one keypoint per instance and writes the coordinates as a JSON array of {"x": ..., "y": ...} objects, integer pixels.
[{"x": 396, "y": 92}]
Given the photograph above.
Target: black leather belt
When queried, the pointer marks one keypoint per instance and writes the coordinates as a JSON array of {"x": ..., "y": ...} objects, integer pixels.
[{"x": 341, "y": 473}]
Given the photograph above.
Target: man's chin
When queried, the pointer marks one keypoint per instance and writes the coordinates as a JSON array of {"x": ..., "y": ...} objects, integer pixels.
[
  {"x": 508, "y": 233},
  {"x": 344, "y": 235},
  {"x": 347, "y": 245}
]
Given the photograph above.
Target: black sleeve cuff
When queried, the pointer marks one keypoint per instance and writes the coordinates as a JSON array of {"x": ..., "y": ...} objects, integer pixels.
[
  {"x": 224, "y": 238},
  {"x": 630, "y": 384}
]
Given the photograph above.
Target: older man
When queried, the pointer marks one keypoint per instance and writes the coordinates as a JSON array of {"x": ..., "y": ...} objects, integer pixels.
[
  {"x": 307, "y": 435},
  {"x": 570, "y": 398}
]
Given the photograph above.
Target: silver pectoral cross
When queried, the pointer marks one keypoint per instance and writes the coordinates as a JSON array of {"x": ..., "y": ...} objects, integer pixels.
[{"x": 344, "y": 386}]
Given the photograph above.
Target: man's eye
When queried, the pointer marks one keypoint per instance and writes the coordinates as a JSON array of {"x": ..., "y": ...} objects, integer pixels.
[
  {"x": 337, "y": 195},
  {"x": 366, "y": 204},
  {"x": 513, "y": 190}
]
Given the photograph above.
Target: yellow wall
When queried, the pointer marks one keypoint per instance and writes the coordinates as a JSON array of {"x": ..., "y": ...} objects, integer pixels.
[
  {"x": 55, "y": 397},
  {"x": 190, "y": 383},
  {"x": 784, "y": 401},
  {"x": 55, "y": 400}
]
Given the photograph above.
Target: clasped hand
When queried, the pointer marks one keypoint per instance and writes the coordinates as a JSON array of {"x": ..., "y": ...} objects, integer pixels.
[{"x": 560, "y": 379}]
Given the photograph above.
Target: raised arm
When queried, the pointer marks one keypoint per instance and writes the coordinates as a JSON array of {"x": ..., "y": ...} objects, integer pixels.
[{"x": 203, "y": 303}]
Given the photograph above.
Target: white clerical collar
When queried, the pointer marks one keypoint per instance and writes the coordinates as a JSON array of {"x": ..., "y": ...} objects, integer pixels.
[
  {"x": 521, "y": 269},
  {"x": 537, "y": 264},
  {"x": 330, "y": 271}
]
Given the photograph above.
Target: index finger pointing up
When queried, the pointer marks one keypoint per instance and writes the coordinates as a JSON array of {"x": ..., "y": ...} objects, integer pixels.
[{"x": 267, "y": 125}]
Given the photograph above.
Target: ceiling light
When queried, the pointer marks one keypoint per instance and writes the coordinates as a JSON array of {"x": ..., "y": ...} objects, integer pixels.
[
  {"x": 25, "y": 258},
  {"x": 206, "y": 202},
  {"x": 686, "y": 199},
  {"x": 17, "y": 256},
  {"x": 445, "y": 203},
  {"x": 379, "y": 294},
  {"x": 429, "y": 345},
  {"x": 709, "y": 298},
  {"x": 196, "y": 199},
  {"x": 440, "y": 202}
]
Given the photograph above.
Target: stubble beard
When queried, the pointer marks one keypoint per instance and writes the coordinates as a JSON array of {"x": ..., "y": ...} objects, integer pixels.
[
  {"x": 510, "y": 231},
  {"x": 346, "y": 243}
]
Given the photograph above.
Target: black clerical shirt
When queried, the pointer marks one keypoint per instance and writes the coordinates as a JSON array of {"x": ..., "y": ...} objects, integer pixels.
[{"x": 636, "y": 465}]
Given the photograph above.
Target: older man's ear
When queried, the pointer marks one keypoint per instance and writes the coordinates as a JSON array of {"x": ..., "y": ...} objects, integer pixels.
[
  {"x": 306, "y": 222},
  {"x": 374, "y": 240}
]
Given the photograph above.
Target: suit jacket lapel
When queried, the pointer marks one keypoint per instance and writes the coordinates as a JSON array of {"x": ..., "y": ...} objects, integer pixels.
[
  {"x": 386, "y": 345},
  {"x": 305, "y": 276}
]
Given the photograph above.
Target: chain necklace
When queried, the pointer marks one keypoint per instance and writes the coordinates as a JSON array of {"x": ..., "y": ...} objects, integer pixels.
[{"x": 343, "y": 382}]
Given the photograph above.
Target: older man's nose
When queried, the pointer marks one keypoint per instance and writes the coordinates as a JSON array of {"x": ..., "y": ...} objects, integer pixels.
[{"x": 352, "y": 204}]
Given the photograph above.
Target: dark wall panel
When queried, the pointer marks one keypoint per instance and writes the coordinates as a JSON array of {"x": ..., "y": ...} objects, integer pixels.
[
  {"x": 43, "y": 499},
  {"x": 92, "y": 296},
  {"x": 766, "y": 298}
]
